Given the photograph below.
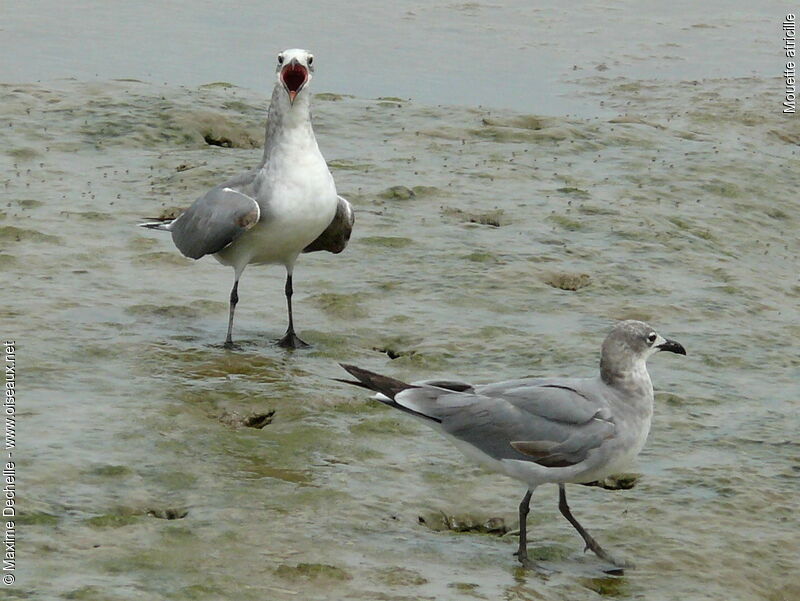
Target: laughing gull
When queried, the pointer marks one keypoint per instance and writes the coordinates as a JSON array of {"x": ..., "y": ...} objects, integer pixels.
[
  {"x": 553, "y": 430},
  {"x": 285, "y": 206}
]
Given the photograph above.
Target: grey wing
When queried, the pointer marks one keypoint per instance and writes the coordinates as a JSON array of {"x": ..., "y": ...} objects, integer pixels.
[
  {"x": 454, "y": 385},
  {"x": 512, "y": 428},
  {"x": 564, "y": 400},
  {"x": 214, "y": 221},
  {"x": 335, "y": 237}
]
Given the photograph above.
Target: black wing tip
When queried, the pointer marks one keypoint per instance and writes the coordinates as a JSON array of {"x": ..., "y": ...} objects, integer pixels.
[
  {"x": 351, "y": 382},
  {"x": 385, "y": 385},
  {"x": 358, "y": 372},
  {"x": 375, "y": 381}
]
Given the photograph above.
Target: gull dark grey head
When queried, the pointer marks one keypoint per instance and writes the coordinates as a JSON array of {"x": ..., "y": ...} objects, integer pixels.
[
  {"x": 294, "y": 70},
  {"x": 627, "y": 348}
]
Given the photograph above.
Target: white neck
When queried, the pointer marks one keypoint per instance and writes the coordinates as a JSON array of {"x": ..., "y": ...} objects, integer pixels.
[{"x": 288, "y": 121}]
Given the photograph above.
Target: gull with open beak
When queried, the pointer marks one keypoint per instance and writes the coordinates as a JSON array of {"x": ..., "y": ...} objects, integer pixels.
[
  {"x": 287, "y": 205},
  {"x": 544, "y": 430}
]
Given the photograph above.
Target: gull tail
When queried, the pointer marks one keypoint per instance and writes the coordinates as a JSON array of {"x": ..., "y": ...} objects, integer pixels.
[
  {"x": 376, "y": 382},
  {"x": 158, "y": 225},
  {"x": 387, "y": 389}
]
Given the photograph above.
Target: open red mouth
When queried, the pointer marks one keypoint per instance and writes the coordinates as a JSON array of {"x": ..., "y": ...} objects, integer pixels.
[{"x": 294, "y": 76}]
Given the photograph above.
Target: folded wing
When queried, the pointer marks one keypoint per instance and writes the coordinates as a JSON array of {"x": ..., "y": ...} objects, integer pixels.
[
  {"x": 213, "y": 222},
  {"x": 335, "y": 237},
  {"x": 551, "y": 425}
]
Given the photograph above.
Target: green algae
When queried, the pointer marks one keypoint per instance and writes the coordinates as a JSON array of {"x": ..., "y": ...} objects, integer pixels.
[
  {"x": 607, "y": 586},
  {"x": 168, "y": 513},
  {"x": 343, "y": 306},
  {"x": 110, "y": 471},
  {"x": 90, "y": 593},
  {"x": 577, "y": 192},
  {"x": 469, "y": 588},
  {"x": 217, "y": 85},
  {"x": 398, "y": 576},
  {"x": 330, "y": 97},
  {"x": 112, "y": 520},
  {"x": 36, "y": 518},
  {"x": 568, "y": 281},
  {"x": 464, "y": 523},
  {"x": 387, "y": 241},
  {"x": 311, "y": 572},
  {"x": 549, "y": 552},
  {"x": 566, "y": 223},
  {"x": 495, "y": 218},
  {"x": 11, "y": 234},
  {"x": 398, "y": 193},
  {"x": 23, "y": 154},
  {"x": 346, "y": 165},
  {"x": 162, "y": 311},
  {"x": 479, "y": 256},
  {"x": 382, "y": 425}
]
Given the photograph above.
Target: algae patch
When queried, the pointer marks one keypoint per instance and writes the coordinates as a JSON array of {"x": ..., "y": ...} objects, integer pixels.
[
  {"x": 168, "y": 513},
  {"x": 339, "y": 305},
  {"x": 36, "y": 518},
  {"x": 111, "y": 471},
  {"x": 112, "y": 520},
  {"x": 565, "y": 222},
  {"x": 572, "y": 191},
  {"x": 495, "y": 218},
  {"x": 254, "y": 420},
  {"x": 312, "y": 572},
  {"x": 387, "y": 241},
  {"x": 217, "y": 130},
  {"x": 23, "y": 154},
  {"x": 10, "y": 233},
  {"x": 568, "y": 281},
  {"x": 398, "y": 193},
  {"x": 401, "y": 577},
  {"x": 440, "y": 521}
]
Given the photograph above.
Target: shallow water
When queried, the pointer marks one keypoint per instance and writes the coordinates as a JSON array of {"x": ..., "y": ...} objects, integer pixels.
[
  {"x": 511, "y": 53},
  {"x": 681, "y": 211},
  {"x": 679, "y": 208}
]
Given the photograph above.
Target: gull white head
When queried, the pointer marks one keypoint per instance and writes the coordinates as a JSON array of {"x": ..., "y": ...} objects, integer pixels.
[
  {"x": 627, "y": 348},
  {"x": 294, "y": 70}
]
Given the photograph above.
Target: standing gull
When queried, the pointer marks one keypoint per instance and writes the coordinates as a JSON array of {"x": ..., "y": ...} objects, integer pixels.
[
  {"x": 554, "y": 430},
  {"x": 285, "y": 206}
]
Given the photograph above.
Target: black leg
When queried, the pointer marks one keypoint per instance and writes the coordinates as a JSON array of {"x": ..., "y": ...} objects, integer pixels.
[
  {"x": 524, "y": 509},
  {"x": 591, "y": 544},
  {"x": 234, "y": 300},
  {"x": 290, "y": 339}
]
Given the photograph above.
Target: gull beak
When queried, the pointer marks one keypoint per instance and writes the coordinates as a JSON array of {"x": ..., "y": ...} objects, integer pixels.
[
  {"x": 294, "y": 76},
  {"x": 672, "y": 347}
]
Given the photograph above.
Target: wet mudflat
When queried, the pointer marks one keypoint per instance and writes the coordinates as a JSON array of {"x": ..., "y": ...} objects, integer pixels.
[{"x": 488, "y": 244}]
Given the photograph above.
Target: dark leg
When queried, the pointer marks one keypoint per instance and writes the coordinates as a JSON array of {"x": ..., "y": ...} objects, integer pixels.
[
  {"x": 234, "y": 300},
  {"x": 591, "y": 544},
  {"x": 290, "y": 339},
  {"x": 524, "y": 509}
]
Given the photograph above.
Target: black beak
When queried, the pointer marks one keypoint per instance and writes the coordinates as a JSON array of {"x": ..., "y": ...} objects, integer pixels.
[{"x": 672, "y": 347}]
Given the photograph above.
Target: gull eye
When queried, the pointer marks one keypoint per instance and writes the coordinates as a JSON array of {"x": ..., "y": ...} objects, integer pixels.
[
  {"x": 310, "y": 59},
  {"x": 280, "y": 59},
  {"x": 651, "y": 337}
]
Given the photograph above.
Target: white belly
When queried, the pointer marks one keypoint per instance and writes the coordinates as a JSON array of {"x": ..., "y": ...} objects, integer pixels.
[{"x": 294, "y": 212}]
